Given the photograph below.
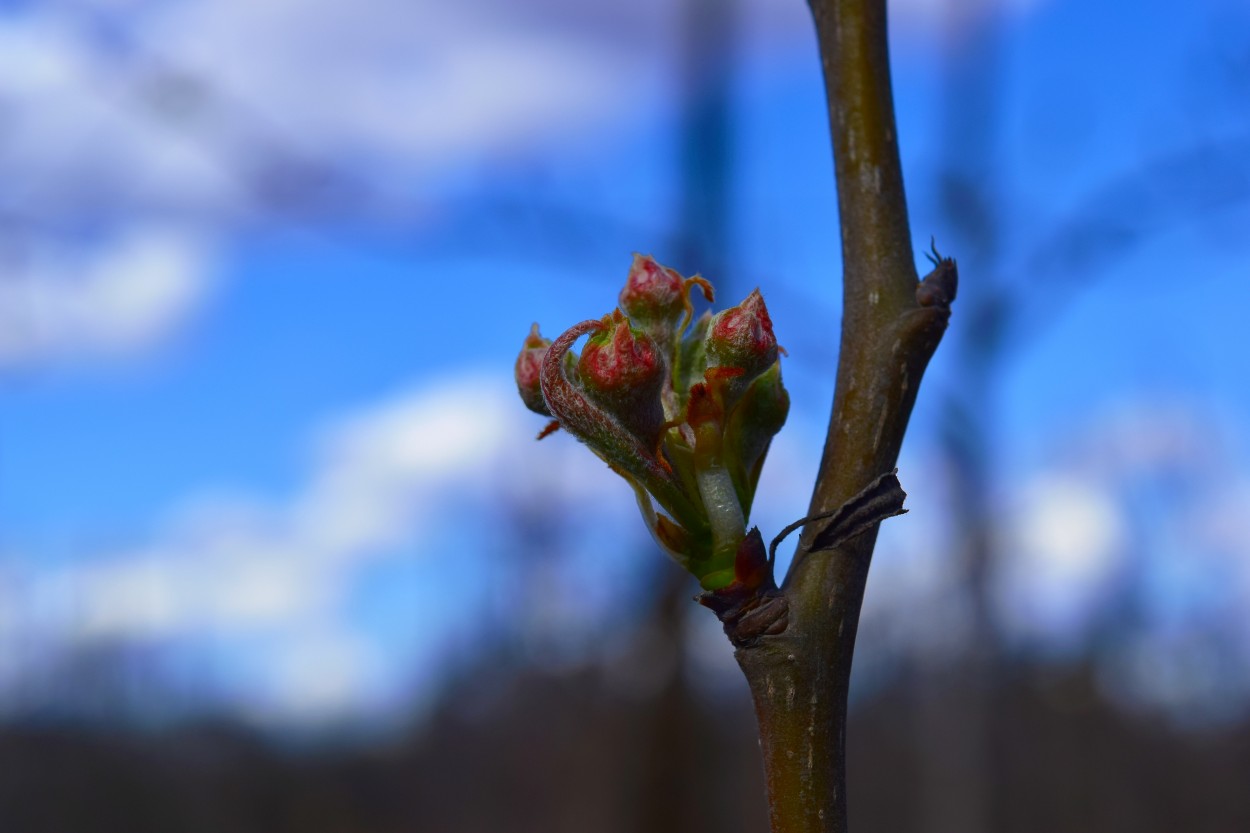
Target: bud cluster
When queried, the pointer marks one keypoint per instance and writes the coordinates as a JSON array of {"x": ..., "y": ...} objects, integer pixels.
[{"x": 683, "y": 410}]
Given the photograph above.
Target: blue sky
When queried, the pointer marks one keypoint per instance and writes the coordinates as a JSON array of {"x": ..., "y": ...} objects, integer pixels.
[{"x": 263, "y": 439}]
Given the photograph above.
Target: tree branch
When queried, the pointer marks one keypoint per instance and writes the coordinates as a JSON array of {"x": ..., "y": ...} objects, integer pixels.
[
  {"x": 891, "y": 325},
  {"x": 883, "y": 324}
]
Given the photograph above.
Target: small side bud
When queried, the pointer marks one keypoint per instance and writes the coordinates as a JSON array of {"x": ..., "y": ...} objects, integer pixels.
[
  {"x": 939, "y": 286},
  {"x": 529, "y": 369},
  {"x": 750, "y": 606}
]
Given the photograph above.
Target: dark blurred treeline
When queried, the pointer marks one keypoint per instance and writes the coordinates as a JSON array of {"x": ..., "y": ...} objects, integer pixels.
[{"x": 554, "y": 753}]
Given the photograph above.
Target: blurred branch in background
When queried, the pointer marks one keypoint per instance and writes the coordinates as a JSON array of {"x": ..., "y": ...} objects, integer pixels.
[
  {"x": 671, "y": 797},
  {"x": 963, "y": 711}
]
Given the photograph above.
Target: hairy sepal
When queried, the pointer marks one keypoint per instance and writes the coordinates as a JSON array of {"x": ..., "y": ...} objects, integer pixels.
[{"x": 750, "y": 428}]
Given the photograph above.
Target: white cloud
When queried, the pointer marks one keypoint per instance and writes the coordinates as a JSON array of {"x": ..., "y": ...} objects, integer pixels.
[
  {"x": 390, "y": 475},
  {"x": 118, "y": 108},
  {"x": 198, "y": 107},
  {"x": 1064, "y": 538},
  {"x": 395, "y": 479},
  {"x": 321, "y": 675},
  {"x": 112, "y": 296},
  {"x": 1144, "y": 511},
  {"x": 379, "y": 469},
  {"x": 217, "y": 114},
  {"x": 1070, "y": 530},
  {"x": 379, "y": 479}
]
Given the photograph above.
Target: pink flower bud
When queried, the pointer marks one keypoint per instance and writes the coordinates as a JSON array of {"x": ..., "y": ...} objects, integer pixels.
[
  {"x": 528, "y": 369},
  {"x": 653, "y": 292},
  {"x": 622, "y": 370},
  {"x": 742, "y": 337},
  {"x": 655, "y": 299},
  {"x": 611, "y": 431},
  {"x": 685, "y": 418}
]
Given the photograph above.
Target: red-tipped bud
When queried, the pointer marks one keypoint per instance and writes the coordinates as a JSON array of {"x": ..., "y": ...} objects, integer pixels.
[
  {"x": 656, "y": 300},
  {"x": 528, "y": 368},
  {"x": 653, "y": 293},
  {"x": 618, "y": 357},
  {"x": 611, "y": 430},
  {"x": 742, "y": 337},
  {"x": 705, "y": 417},
  {"x": 622, "y": 370}
]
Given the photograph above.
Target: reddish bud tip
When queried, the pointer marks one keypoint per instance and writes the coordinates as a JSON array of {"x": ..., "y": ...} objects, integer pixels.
[
  {"x": 612, "y": 426},
  {"x": 622, "y": 369},
  {"x": 751, "y": 567},
  {"x": 742, "y": 337},
  {"x": 619, "y": 358},
  {"x": 528, "y": 371},
  {"x": 653, "y": 293}
]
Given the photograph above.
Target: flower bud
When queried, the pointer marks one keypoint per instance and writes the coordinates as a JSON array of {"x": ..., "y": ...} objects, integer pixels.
[
  {"x": 653, "y": 293},
  {"x": 685, "y": 418},
  {"x": 528, "y": 367},
  {"x": 655, "y": 299},
  {"x": 622, "y": 370},
  {"x": 586, "y": 411},
  {"x": 742, "y": 337}
]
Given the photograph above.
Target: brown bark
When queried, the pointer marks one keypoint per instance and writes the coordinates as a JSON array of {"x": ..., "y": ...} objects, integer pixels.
[{"x": 891, "y": 325}]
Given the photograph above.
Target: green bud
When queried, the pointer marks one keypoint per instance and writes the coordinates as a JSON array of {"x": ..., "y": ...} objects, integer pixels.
[
  {"x": 754, "y": 421},
  {"x": 691, "y": 358}
]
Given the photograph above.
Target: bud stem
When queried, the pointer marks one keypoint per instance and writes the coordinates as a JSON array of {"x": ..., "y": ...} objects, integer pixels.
[{"x": 725, "y": 518}]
